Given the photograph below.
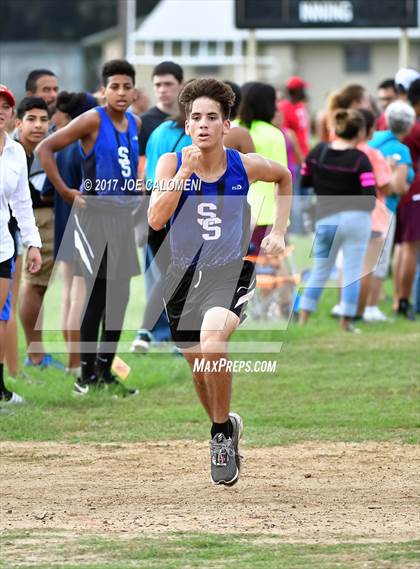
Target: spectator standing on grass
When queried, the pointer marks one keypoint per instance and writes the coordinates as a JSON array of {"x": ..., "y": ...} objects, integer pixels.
[
  {"x": 43, "y": 84},
  {"x": 14, "y": 192},
  {"x": 381, "y": 218},
  {"x": 408, "y": 215},
  {"x": 168, "y": 79},
  {"x": 32, "y": 126},
  {"x": 400, "y": 118},
  {"x": 343, "y": 182},
  {"x": 69, "y": 164},
  {"x": 256, "y": 113},
  {"x": 104, "y": 236}
]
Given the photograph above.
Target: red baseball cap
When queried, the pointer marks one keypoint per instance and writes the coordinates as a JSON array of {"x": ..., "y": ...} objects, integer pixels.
[
  {"x": 296, "y": 82},
  {"x": 7, "y": 94}
]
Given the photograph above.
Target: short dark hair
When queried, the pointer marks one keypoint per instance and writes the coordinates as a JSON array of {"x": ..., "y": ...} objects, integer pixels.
[
  {"x": 369, "y": 119},
  {"x": 348, "y": 123},
  {"x": 414, "y": 92},
  {"x": 30, "y": 83},
  {"x": 238, "y": 97},
  {"x": 74, "y": 104},
  {"x": 388, "y": 84},
  {"x": 169, "y": 68},
  {"x": 258, "y": 103},
  {"x": 212, "y": 89},
  {"x": 29, "y": 103},
  {"x": 117, "y": 67}
]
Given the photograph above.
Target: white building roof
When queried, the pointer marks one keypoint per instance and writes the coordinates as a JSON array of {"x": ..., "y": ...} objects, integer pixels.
[{"x": 214, "y": 20}]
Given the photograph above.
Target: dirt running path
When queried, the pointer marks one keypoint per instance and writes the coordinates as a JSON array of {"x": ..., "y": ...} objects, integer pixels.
[{"x": 312, "y": 492}]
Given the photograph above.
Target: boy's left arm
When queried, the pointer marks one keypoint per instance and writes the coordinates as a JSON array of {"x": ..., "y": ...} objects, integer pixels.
[{"x": 261, "y": 169}]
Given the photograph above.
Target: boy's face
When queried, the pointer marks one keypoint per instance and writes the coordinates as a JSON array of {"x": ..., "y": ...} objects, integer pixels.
[
  {"x": 166, "y": 88},
  {"x": 119, "y": 92},
  {"x": 33, "y": 126},
  {"x": 47, "y": 89},
  {"x": 6, "y": 112},
  {"x": 205, "y": 123},
  {"x": 385, "y": 97}
]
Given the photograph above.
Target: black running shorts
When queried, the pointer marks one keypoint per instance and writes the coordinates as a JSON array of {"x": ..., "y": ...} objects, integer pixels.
[
  {"x": 6, "y": 270},
  {"x": 190, "y": 293}
]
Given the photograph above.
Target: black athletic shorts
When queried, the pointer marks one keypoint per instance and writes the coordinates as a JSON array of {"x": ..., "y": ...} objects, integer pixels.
[
  {"x": 190, "y": 293},
  {"x": 104, "y": 243},
  {"x": 6, "y": 269}
]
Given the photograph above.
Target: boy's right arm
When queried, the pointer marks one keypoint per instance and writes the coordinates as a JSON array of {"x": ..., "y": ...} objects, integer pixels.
[{"x": 82, "y": 128}]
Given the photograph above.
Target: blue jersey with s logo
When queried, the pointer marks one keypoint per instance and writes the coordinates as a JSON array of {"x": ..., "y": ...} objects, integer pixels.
[
  {"x": 110, "y": 168},
  {"x": 211, "y": 224}
]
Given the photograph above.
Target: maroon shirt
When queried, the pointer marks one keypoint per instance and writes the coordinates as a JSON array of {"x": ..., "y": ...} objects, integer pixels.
[{"x": 412, "y": 140}]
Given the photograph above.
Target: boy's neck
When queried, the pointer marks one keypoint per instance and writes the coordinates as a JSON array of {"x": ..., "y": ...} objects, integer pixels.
[
  {"x": 114, "y": 115},
  {"x": 27, "y": 145},
  {"x": 213, "y": 158}
]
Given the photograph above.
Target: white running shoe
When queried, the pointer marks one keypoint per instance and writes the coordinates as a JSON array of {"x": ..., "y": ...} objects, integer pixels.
[
  {"x": 374, "y": 314},
  {"x": 12, "y": 399},
  {"x": 336, "y": 311}
]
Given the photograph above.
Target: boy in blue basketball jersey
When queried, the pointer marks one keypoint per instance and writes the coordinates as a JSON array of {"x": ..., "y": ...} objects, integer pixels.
[
  {"x": 106, "y": 256},
  {"x": 203, "y": 193}
]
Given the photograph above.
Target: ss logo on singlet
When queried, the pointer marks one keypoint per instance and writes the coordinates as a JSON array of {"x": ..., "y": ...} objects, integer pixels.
[
  {"x": 209, "y": 221},
  {"x": 124, "y": 161}
]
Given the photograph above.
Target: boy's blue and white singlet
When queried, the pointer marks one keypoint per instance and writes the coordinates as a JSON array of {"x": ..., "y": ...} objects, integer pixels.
[
  {"x": 211, "y": 224},
  {"x": 110, "y": 168}
]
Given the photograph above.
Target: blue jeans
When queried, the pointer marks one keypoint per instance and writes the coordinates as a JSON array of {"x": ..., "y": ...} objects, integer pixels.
[{"x": 349, "y": 230}]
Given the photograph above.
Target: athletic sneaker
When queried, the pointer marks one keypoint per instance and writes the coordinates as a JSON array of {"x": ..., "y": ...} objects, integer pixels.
[
  {"x": 47, "y": 361},
  {"x": 374, "y": 314},
  {"x": 141, "y": 343},
  {"x": 224, "y": 452},
  {"x": 406, "y": 309},
  {"x": 11, "y": 398},
  {"x": 81, "y": 387},
  {"x": 336, "y": 311},
  {"x": 111, "y": 383}
]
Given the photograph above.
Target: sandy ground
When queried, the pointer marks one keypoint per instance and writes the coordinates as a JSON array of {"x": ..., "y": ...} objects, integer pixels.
[{"x": 312, "y": 492}]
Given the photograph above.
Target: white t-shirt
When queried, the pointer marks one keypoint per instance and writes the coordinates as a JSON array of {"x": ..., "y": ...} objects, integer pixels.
[{"x": 14, "y": 191}]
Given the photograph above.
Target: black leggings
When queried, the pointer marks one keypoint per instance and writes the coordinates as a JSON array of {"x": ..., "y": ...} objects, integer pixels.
[{"x": 111, "y": 314}]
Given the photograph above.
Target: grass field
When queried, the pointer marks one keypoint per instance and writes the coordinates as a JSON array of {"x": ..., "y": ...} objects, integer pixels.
[{"x": 331, "y": 390}]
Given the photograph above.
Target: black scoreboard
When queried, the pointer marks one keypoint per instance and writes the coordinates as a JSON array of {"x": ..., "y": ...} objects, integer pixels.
[{"x": 326, "y": 13}]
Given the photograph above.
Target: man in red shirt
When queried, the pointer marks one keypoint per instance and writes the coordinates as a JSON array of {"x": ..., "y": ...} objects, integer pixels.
[
  {"x": 295, "y": 112},
  {"x": 387, "y": 93},
  {"x": 408, "y": 215}
]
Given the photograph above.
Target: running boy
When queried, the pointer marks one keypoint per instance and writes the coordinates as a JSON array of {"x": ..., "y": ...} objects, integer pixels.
[
  {"x": 208, "y": 284},
  {"x": 106, "y": 255}
]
